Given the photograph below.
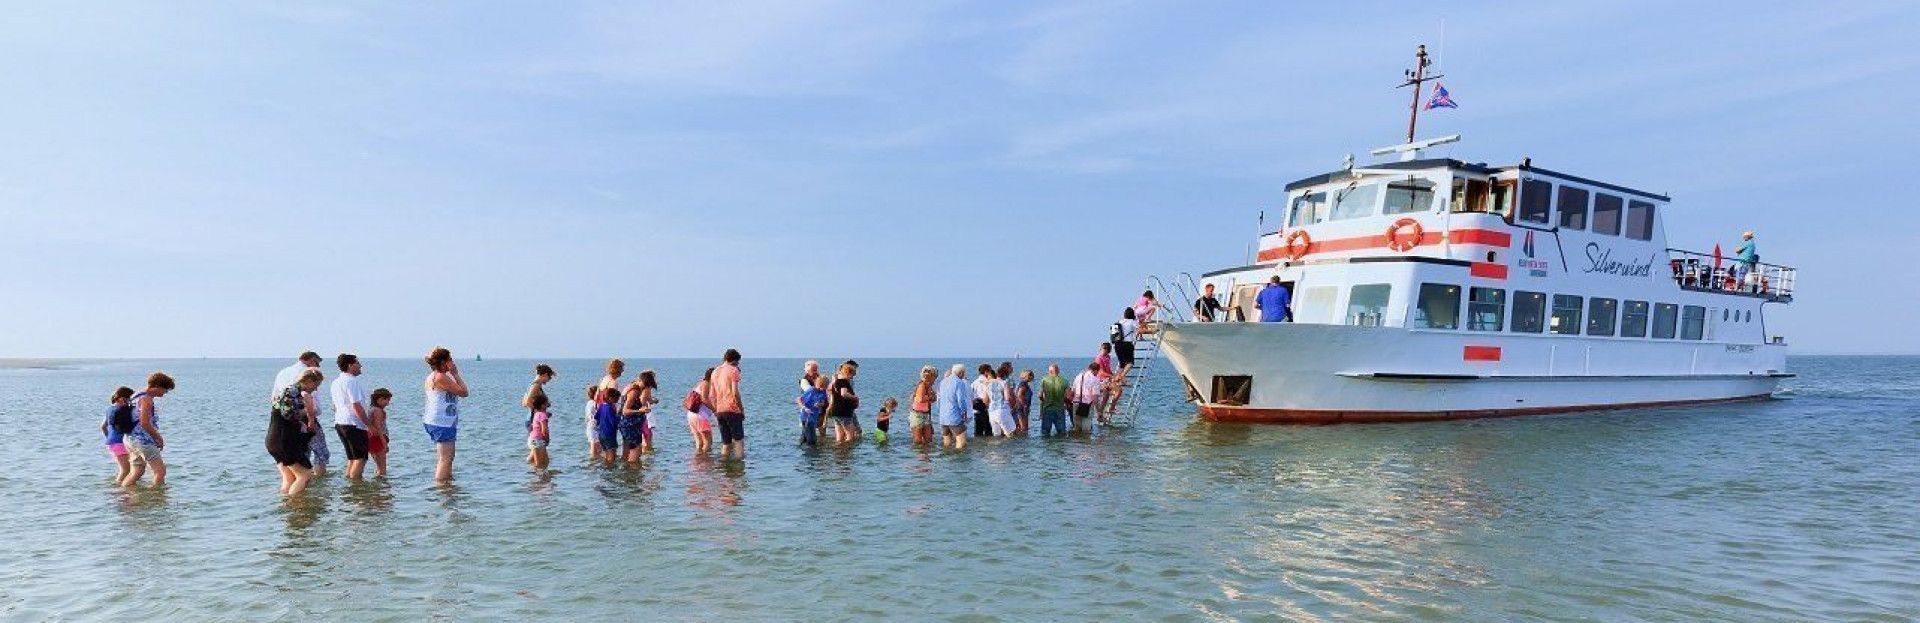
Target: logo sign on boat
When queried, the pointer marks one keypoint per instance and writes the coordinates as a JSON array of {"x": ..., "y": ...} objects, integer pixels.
[
  {"x": 1600, "y": 260},
  {"x": 1535, "y": 267}
]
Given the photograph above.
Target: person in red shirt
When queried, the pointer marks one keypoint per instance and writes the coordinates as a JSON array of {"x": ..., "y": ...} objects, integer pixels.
[{"x": 723, "y": 392}]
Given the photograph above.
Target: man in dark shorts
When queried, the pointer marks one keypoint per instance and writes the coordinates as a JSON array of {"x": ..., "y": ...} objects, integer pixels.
[
  {"x": 723, "y": 392},
  {"x": 350, "y": 413}
]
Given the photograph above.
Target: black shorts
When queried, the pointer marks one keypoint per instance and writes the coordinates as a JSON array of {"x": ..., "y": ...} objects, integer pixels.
[
  {"x": 733, "y": 426},
  {"x": 882, "y": 424},
  {"x": 354, "y": 440},
  {"x": 1082, "y": 410},
  {"x": 1124, "y": 351}
]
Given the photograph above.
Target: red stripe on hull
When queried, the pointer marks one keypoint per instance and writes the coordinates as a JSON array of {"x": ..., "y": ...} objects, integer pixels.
[
  {"x": 1480, "y": 353},
  {"x": 1248, "y": 415},
  {"x": 1488, "y": 270}
]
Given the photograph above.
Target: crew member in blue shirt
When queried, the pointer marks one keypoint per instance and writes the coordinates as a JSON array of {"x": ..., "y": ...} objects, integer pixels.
[{"x": 1272, "y": 302}]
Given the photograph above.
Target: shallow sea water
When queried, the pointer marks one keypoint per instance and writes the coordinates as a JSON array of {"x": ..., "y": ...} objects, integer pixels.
[{"x": 1802, "y": 508}]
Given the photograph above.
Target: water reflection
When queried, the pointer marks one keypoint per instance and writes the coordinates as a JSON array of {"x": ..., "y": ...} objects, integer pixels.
[{"x": 372, "y": 496}]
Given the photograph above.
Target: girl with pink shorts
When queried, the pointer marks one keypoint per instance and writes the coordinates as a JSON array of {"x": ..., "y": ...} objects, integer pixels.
[
  {"x": 119, "y": 408},
  {"x": 700, "y": 415}
]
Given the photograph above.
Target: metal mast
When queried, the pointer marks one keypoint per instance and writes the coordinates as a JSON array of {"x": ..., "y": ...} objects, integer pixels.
[{"x": 1417, "y": 78}]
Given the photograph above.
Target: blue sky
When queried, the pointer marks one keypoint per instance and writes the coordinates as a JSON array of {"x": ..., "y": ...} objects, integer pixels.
[{"x": 900, "y": 178}]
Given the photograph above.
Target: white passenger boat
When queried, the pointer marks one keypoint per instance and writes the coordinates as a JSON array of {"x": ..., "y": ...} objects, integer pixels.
[{"x": 1432, "y": 288}]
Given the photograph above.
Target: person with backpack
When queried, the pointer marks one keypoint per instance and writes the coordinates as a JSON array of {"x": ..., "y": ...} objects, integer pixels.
[
  {"x": 114, "y": 428},
  {"x": 144, "y": 441},
  {"x": 1122, "y": 334}
]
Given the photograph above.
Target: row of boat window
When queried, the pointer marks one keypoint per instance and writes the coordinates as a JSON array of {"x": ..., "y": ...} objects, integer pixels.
[
  {"x": 1538, "y": 202},
  {"x": 1438, "y": 307},
  {"x": 1578, "y": 208}
]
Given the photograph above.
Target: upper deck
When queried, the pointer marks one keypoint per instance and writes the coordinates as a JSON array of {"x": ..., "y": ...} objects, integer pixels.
[{"x": 1544, "y": 223}]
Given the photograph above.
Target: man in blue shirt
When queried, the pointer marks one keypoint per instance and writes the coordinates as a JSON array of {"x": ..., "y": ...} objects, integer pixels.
[
  {"x": 951, "y": 401},
  {"x": 1272, "y": 302}
]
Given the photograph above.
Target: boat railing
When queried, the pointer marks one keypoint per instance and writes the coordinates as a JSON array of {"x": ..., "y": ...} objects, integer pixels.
[{"x": 1703, "y": 272}]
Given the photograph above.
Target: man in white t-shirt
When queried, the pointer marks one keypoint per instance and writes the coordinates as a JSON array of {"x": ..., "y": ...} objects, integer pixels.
[
  {"x": 350, "y": 413},
  {"x": 291, "y": 374},
  {"x": 317, "y": 449}
]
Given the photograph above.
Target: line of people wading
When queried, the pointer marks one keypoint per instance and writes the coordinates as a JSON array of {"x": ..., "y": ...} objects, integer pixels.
[{"x": 619, "y": 416}]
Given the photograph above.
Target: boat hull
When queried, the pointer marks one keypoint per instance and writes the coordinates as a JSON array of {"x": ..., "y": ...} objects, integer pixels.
[{"x": 1318, "y": 374}]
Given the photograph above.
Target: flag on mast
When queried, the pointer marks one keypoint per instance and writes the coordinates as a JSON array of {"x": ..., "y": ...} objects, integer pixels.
[{"x": 1440, "y": 98}]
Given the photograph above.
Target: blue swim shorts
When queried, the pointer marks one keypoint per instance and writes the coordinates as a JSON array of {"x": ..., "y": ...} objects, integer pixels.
[{"x": 441, "y": 434}]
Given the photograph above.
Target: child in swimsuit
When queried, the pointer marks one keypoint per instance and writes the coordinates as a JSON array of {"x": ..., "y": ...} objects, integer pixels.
[
  {"x": 885, "y": 417},
  {"x": 121, "y": 404},
  {"x": 377, "y": 431},
  {"x": 537, "y": 433}
]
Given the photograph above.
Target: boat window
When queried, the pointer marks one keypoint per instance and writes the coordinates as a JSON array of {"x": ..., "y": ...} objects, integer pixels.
[
  {"x": 1486, "y": 309},
  {"x": 1749, "y": 315},
  {"x": 1536, "y": 201},
  {"x": 1606, "y": 214},
  {"x": 1665, "y": 317},
  {"x": 1633, "y": 319},
  {"x": 1601, "y": 315},
  {"x": 1355, "y": 202},
  {"x": 1308, "y": 209},
  {"x": 1367, "y": 304},
  {"x": 1566, "y": 315},
  {"x": 1726, "y": 315},
  {"x": 1315, "y": 304},
  {"x": 1573, "y": 207},
  {"x": 1409, "y": 196},
  {"x": 1693, "y": 321},
  {"x": 1639, "y": 220},
  {"x": 1503, "y": 192},
  {"x": 1529, "y": 311},
  {"x": 1438, "y": 308},
  {"x": 1469, "y": 195}
]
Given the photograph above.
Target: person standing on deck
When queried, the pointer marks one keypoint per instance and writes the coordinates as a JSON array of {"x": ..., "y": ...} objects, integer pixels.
[
  {"x": 1747, "y": 256},
  {"x": 1206, "y": 307},
  {"x": 1273, "y": 302},
  {"x": 951, "y": 404},
  {"x": 731, "y": 415}
]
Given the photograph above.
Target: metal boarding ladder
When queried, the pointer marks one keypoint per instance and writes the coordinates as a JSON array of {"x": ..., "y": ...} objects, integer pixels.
[{"x": 1146, "y": 349}]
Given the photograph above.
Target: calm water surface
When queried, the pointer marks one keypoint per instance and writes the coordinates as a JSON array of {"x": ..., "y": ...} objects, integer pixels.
[{"x": 1796, "y": 509}]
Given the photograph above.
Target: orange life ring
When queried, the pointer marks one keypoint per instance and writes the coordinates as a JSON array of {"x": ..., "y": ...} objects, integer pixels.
[
  {"x": 1297, "y": 244},
  {"x": 1398, "y": 242}
]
